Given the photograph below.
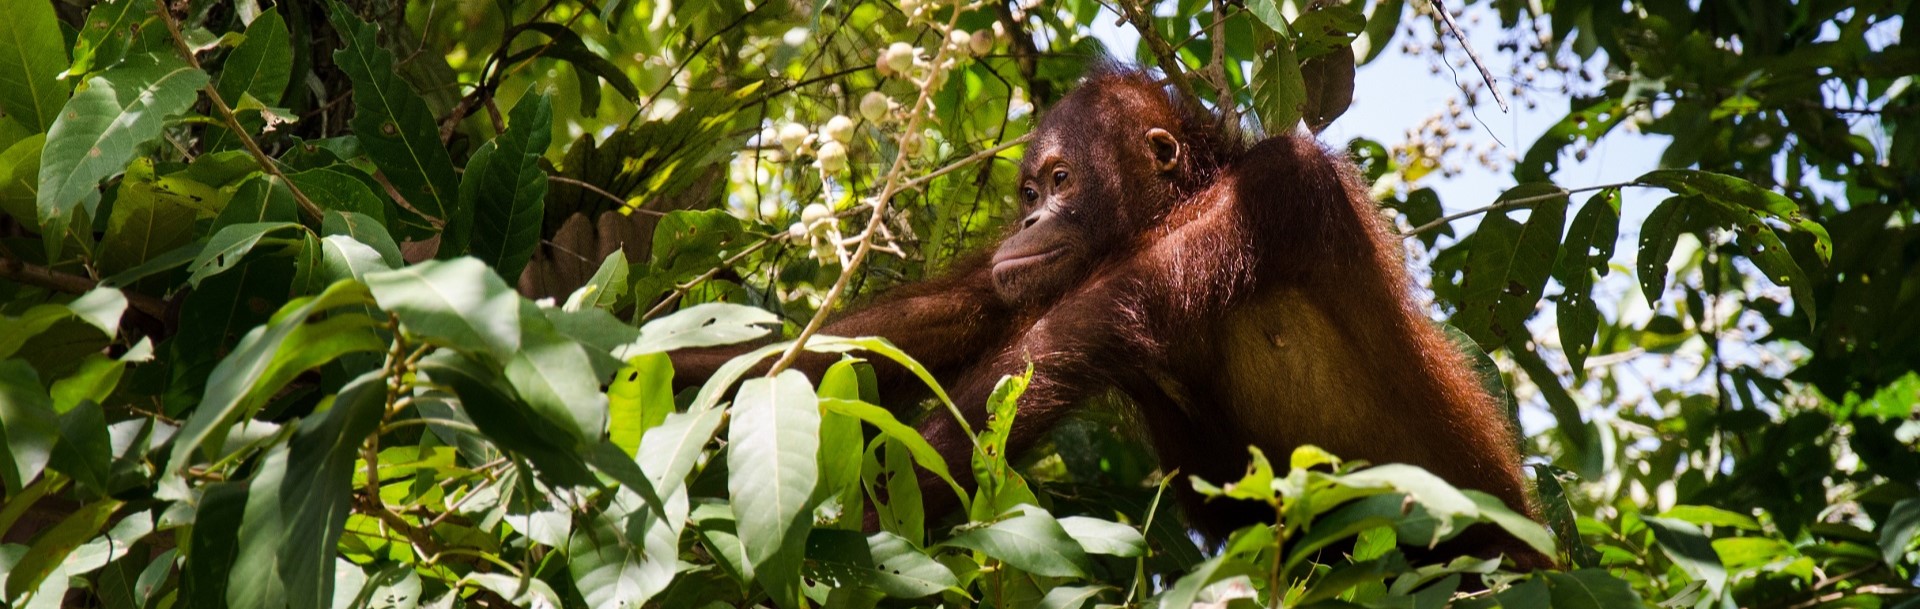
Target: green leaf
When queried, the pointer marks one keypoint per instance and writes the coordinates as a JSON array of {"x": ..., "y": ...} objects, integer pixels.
[
  {"x": 342, "y": 257},
  {"x": 298, "y": 502},
  {"x": 101, "y": 126},
  {"x": 260, "y": 68},
  {"x": 1279, "y": 89},
  {"x": 107, "y": 33},
  {"x": 364, "y": 230},
  {"x": 639, "y": 399},
  {"x": 53, "y": 546},
  {"x": 262, "y": 198},
  {"x": 239, "y": 384},
  {"x": 1031, "y": 541},
  {"x": 100, "y": 308},
  {"x": 261, "y": 65},
  {"x": 923, "y": 453},
  {"x": 554, "y": 376},
  {"x": 703, "y": 325},
  {"x": 772, "y": 444},
  {"x": 1689, "y": 548},
  {"x": 1070, "y": 597},
  {"x": 1098, "y": 536},
  {"x": 882, "y": 561},
  {"x": 1762, "y": 245},
  {"x": 32, "y": 56},
  {"x": 1735, "y": 192},
  {"x": 1268, "y": 12},
  {"x": 394, "y": 125},
  {"x": 606, "y": 289},
  {"x": 1590, "y": 589},
  {"x": 1658, "y": 235},
  {"x": 1521, "y": 527},
  {"x": 669, "y": 451},
  {"x": 228, "y": 247},
  {"x": 335, "y": 190},
  {"x": 460, "y": 304},
  {"x": 1897, "y": 532},
  {"x": 1709, "y": 515},
  {"x": 1185, "y": 593},
  {"x": 148, "y": 219},
  {"x": 84, "y": 451},
  {"x": 626, "y": 556},
  {"x": 20, "y": 178},
  {"x": 1508, "y": 265},
  {"x": 510, "y": 190},
  {"x": 1588, "y": 249},
  {"x": 507, "y": 420},
  {"x": 27, "y": 425}
]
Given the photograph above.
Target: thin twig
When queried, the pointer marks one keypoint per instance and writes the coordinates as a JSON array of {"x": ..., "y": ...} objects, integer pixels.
[
  {"x": 1440, "y": 9},
  {"x": 1510, "y": 204},
  {"x": 1163, "y": 53},
  {"x": 971, "y": 159},
  {"x": 1223, "y": 91},
  {"x": 232, "y": 121},
  {"x": 681, "y": 290},
  {"x": 33, "y": 274}
]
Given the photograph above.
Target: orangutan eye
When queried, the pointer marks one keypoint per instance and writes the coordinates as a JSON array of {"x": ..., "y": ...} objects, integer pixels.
[
  {"x": 1059, "y": 176},
  {"x": 1031, "y": 194}
]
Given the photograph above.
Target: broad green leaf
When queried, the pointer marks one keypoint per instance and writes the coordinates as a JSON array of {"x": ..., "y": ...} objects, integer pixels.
[
  {"x": 364, "y": 230},
  {"x": 589, "y": 67},
  {"x": 1709, "y": 515},
  {"x": 100, "y": 308},
  {"x": 203, "y": 580},
  {"x": 334, "y": 189},
  {"x": 772, "y": 442},
  {"x": 342, "y": 257},
  {"x": 1031, "y": 541},
  {"x": 1431, "y": 492},
  {"x": 1658, "y": 235},
  {"x": 1071, "y": 597},
  {"x": 27, "y": 425},
  {"x": 108, "y": 32},
  {"x": 260, "y": 68},
  {"x": 148, "y": 219},
  {"x": 506, "y": 419},
  {"x": 1762, "y": 245},
  {"x": 262, "y": 198},
  {"x": 456, "y": 238},
  {"x": 228, "y": 247},
  {"x": 841, "y": 445},
  {"x": 669, "y": 451},
  {"x": 84, "y": 451},
  {"x": 20, "y": 178},
  {"x": 394, "y": 125},
  {"x": 518, "y": 591},
  {"x": 606, "y": 289},
  {"x": 881, "y": 561},
  {"x": 1325, "y": 27},
  {"x": 1689, "y": 548},
  {"x": 1590, "y": 589},
  {"x": 614, "y": 567},
  {"x": 703, "y": 325},
  {"x": 298, "y": 503},
  {"x": 237, "y": 386},
  {"x": 32, "y": 56},
  {"x": 923, "y": 453},
  {"x": 639, "y": 399},
  {"x": 1098, "y": 536},
  {"x": 1279, "y": 89},
  {"x": 1508, "y": 265},
  {"x": 460, "y": 304},
  {"x": 1268, "y": 12},
  {"x": 1732, "y": 191},
  {"x": 97, "y": 377},
  {"x": 53, "y": 546},
  {"x": 101, "y": 126},
  {"x": 1896, "y": 534},
  {"x": 1186, "y": 592},
  {"x": 1521, "y": 527},
  {"x": 553, "y": 374},
  {"x": 1588, "y": 248},
  {"x": 886, "y": 472},
  {"x": 509, "y": 198}
]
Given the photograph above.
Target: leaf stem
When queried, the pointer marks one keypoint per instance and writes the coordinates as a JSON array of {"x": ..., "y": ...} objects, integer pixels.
[
  {"x": 1510, "y": 204},
  {"x": 232, "y": 121},
  {"x": 1163, "y": 53}
]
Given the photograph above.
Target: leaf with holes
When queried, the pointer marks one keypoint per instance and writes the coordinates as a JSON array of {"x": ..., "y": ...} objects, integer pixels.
[
  {"x": 393, "y": 124},
  {"x": 1588, "y": 248},
  {"x": 227, "y": 247}
]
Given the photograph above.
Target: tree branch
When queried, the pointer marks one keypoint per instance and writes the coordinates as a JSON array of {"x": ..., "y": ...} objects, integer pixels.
[
  {"x": 1163, "y": 53},
  {"x": 36, "y": 275},
  {"x": 1510, "y": 204}
]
